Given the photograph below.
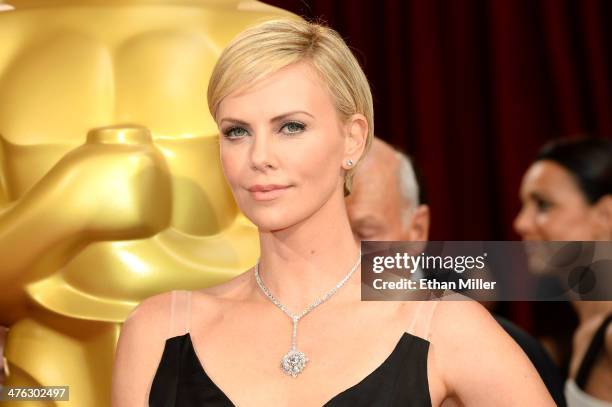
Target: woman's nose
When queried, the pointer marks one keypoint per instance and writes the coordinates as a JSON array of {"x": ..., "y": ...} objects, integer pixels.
[
  {"x": 262, "y": 153},
  {"x": 523, "y": 223}
]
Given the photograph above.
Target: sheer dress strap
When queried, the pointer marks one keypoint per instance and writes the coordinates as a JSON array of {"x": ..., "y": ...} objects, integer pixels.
[
  {"x": 180, "y": 313},
  {"x": 421, "y": 321},
  {"x": 432, "y": 310},
  {"x": 415, "y": 317}
]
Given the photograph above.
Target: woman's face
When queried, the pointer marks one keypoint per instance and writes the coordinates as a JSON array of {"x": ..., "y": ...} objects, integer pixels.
[
  {"x": 283, "y": 146},
  {"x": 554, "y": 208}
]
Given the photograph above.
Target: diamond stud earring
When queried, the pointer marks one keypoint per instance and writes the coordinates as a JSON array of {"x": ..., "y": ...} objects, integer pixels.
[{"x": 349, "y": 163}]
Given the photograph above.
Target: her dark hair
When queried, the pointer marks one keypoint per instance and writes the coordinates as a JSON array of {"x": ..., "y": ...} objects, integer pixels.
[{"x": 588, "y": 159}]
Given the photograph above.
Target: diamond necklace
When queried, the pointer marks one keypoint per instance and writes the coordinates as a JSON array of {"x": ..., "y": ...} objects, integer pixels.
[{"x": 294, "y": 361}]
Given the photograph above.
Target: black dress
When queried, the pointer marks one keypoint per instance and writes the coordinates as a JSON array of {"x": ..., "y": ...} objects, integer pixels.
[{"x": 401, "y": 380}]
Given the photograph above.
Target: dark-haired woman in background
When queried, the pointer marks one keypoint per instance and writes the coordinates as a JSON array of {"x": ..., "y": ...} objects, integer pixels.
[{"x": 567, "y": 195}]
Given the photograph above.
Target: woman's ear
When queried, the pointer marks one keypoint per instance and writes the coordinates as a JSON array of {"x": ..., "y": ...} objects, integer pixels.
[
  {"x": 356, "y": 137},
  {"x": 603, "y": 216}
]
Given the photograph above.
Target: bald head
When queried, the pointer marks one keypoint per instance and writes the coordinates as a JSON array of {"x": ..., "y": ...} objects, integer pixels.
[{"x": 383, "y": 204}]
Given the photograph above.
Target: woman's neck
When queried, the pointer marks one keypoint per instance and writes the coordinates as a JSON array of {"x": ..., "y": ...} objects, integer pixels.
[
  {"x": 589, "y": 309},
  {"x": 301, "y": 263}
]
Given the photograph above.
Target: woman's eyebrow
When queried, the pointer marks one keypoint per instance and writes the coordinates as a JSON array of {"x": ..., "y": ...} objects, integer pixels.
[
  {"x": 537, "y": 196},
  {"x": 232, "y": 120},
  {"x": 284, "y": 115}
]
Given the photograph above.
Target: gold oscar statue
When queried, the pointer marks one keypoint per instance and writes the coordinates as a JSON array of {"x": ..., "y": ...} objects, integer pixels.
[{"x": 110, "y": 183}]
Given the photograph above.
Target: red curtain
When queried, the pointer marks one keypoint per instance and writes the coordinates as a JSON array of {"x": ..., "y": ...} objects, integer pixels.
[{"x": 472, "y": 88}]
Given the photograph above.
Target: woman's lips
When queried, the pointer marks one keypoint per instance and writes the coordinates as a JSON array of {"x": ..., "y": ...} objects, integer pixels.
[{"x": 267, "y": 192}]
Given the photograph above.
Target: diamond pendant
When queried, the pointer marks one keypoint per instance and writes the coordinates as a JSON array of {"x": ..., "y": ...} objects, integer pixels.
[{"x": 294, "y": 362}]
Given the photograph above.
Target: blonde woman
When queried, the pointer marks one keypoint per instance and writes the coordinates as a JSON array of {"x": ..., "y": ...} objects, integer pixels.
[{"x": 295, "y": 115}]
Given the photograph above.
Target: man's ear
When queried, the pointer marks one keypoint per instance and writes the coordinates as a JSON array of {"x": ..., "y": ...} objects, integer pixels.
[
  {"x": 603, "y": 217},
  {"x": 356, "y": 136},
  {"x": 419, "y": 226}
]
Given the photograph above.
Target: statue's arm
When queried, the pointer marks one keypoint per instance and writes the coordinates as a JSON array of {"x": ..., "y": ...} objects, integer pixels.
[{"x": 107, "y": 189}]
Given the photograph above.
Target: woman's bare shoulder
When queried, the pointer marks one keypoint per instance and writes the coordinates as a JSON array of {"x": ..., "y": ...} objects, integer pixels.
[
  {"x": 153, "y": 319},
  {"x": 450, "y": 315},
  {"x": 150, "y": 317},
  {"x": 462, "y": 323},
  {"x": 140, "y": 346},
  {"x": 474, "y": 353},
  {"x": 456, "y": 313}
]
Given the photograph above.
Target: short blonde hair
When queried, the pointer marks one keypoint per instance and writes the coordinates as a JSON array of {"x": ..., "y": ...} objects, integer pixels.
[{"x": 270, "y": 46}]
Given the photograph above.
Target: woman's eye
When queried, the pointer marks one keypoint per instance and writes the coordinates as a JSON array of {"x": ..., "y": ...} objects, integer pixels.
[
  {"x": 236, "y": 132},
  {"x": 542, "y": 205},
  {"x": 293, "y": 127}
]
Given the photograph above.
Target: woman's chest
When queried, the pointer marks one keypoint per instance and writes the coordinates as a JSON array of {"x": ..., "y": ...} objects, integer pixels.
[{"x": 347, "y": 358}]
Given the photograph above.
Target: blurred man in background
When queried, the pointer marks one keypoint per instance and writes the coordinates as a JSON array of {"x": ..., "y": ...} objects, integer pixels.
[{"x": 385, "y": 202}]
